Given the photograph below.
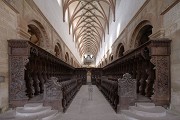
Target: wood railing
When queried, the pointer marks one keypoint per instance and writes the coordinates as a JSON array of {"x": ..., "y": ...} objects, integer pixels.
[
  {"x": 149, "y": 64},
  {"x": 81, "y": 73},
  {"x": 121, "y": 93},
  {"x": 110, "y": 90},
  {"x": 96, "y": 74},
  {"x": 60, "y": 94},
  {"x": 69, "y": 89}
]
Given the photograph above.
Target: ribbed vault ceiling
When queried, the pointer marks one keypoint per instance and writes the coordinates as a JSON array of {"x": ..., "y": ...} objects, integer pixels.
[{"x": 88, "y": 22}]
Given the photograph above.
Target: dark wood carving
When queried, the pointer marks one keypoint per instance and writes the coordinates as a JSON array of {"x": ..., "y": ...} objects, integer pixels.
[
  {"x": 81, "y": 73},
  {"x": 109, "y": 88},
  {"x": 53, "y": 94},
  {"x": 96, "y": 74},
  {"x": 69, "y": 89},
  {"x": 17, "y": 87},
  {"x": 30, "y": 68},
  {"x": 126, "y": 92},
  {"x": 149, "y": 64}
]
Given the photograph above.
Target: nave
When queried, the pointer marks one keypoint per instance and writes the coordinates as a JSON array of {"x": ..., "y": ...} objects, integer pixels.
[{"x": 83, "y": 108}]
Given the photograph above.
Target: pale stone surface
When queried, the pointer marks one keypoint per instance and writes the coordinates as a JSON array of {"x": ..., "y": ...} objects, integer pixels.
[
  {"x": 8, "y": 25},
  {"x": 172, "y": 31},
  {"x": 54, "y": 15},
  {"x": 125, "y": 11},
  {"x": 82, "y": 108}
]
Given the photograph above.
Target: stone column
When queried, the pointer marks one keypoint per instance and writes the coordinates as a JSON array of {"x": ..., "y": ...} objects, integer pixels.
[
  {"x": 160, "y": 58},
  {"x": 18, "y": 58}
]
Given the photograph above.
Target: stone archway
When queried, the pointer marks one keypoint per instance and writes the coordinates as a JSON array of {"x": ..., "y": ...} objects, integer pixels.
[
  {"x": 60, "y": 50},
  {"x": 57, "y": 51},
  {"x": 72, "y": 61},
  {"x": 111, "y": 57},
  {"x": 67, "y": 57},
  {"x": 38, "y": 34},
  {"x": 141, "y": 34},
  {"x": 120, "y": 50}
]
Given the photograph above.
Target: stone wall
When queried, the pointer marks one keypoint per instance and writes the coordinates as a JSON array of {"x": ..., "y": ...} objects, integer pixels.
[
  {"x": 8, "y": 25},
  {"x": 171, "y": 25},
  {"x": 14, "y": 21}
]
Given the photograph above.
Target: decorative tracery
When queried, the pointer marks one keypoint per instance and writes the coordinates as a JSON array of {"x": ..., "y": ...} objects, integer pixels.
[{"x": 88, "y": 21}]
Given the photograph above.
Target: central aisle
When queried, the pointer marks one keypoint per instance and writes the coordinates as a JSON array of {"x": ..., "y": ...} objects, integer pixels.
[{"x": 82, "y": 108}]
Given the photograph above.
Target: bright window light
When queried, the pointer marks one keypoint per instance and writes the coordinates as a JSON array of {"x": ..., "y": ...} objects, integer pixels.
[
  {"x": 59, "y": 2},
  {"x": 118, "y": 30}
]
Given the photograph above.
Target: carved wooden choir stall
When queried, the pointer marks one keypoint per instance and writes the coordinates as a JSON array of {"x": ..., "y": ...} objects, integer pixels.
[
  {"x": 31, "y": 67},
  {"x": 149, "y": 65},
  {"x": 143, "y": 71},
  {"x": 110, "y": 90}
]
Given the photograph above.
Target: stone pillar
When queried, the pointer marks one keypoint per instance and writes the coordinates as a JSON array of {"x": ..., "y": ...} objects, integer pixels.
[
  {"x": 18, "y": 58},
  {"x": 160, "y": 58},
  {"x": 162, "y": 81}
]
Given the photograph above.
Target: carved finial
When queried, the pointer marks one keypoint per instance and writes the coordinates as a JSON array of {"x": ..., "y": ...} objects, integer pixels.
[{"x": 127, "y": 76}]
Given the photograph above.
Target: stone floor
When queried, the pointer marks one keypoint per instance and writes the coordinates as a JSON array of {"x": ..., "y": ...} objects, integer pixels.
[{"x": 82, "y": 108}]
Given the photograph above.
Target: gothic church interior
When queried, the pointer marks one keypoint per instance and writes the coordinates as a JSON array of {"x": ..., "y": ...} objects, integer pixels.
[{"x": 125, "y": 52}]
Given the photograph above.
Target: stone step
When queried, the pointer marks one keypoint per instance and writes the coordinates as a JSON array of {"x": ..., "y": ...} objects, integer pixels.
[
  {"x": 56, "y": 117},
  {"x": 20, "y": 111},
  {"x": 157, "y": 111},
  {"x": 129, "y": 115},
  {"x": 146, "y": 105},
  {"x": 10, "y": 114},
  {"x": 33, "y": 106},
  {"x": 49, "y": 115}
]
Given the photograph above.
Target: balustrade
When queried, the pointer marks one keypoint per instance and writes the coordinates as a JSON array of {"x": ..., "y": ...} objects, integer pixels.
[
  {"x": 60, "y": 94},
  {"x": 69, "y": 89},
  {"x": 110, "y": 89},
  {"x": 81, "y": 73},
  {"x": 96, "y": 74}
]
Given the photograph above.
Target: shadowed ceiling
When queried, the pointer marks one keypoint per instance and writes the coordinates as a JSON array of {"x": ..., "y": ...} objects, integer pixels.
[{"x": 88, "y": 22}]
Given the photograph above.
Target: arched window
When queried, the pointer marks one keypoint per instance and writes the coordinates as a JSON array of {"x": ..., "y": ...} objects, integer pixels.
[
  {"x": 35, "y": 34},
  {"x": 56, "y": 50},
  {"x": 67, "y": 57},
  {"x": 141, "y": 33},
  {"x": 71, "y": 61},
  {"x": 60, "y": 50},
  {"x": 111, "y": 57},
  {"x": 106, "y": 61},
  {"x": 120, "y": 50},
  {"x": 38, "y": 33}
]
